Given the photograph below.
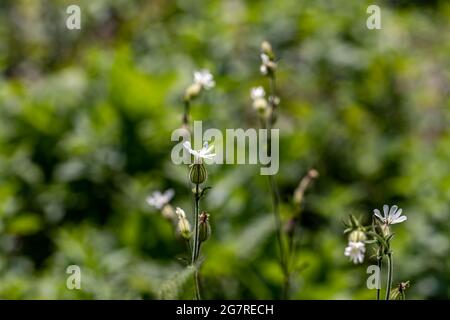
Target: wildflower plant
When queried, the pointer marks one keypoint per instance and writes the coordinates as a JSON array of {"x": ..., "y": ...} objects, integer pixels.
[
  {"x": 266, "y": 106},
  {"x": 203, "y": 80},
  {"x": 379, "y": 235}
]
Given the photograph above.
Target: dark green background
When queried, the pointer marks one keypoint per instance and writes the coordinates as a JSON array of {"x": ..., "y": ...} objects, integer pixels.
[{"x": 85, "y": 124}]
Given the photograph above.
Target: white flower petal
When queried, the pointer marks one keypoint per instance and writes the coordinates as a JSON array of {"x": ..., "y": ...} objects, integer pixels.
[
  {"x": 386, "y": 211},
  {"x": 392, "y": 211},
  {"x": 400, "y": 219},
  {"x": 180, "y": 213},
  {"x": 187, "y": 145},
  {"x": 263, "y": 69},
  {"x": 397, "y": 214},
  {"x": 377, "y": 214}
]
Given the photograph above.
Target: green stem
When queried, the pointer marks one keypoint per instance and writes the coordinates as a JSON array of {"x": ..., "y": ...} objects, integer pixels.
[
  {"x": 186, "y": 113},
  {"x": 390, "y": 274},
  {"x": 380, "y": 264},
  {"x": 274, "y": 191},
  {"x": 197, "y": 285},
  {"x": 196, "y": 246}
]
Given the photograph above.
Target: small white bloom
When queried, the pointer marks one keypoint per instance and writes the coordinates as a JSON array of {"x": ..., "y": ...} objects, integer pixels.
[
  {"x": 355, "y": 250},
  {"x": 263, "y": 69},
  {"x": 204, "y": 78},
  {"x": 159, "y": 200},
  {"x": 267, "y": 65},
  {"x": 204, "y": 153},
  {"x": 392, "y": 216},
  {"x": 265, "y": 59},
  {"x": 257, "y": 93},
  {"x": 180, "y": 213}
]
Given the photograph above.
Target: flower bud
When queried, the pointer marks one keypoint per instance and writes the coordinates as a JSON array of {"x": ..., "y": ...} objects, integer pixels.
[
  {"x": 266, "y": 48},
  {"x": 184, "y": 226},
  {"x": 385, "y": 230},
  {"x": 204, "y": 227},
  {"x": 357, "y": 236},
  {"x": 260, "y": 104},
  {"x": 198, "y": 173},
  {"x": 192, "y": 91},
  {"x": 168, "y": 212}
]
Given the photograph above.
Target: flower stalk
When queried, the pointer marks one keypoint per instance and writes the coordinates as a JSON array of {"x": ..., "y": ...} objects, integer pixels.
[{"x": 390, "y": 274}]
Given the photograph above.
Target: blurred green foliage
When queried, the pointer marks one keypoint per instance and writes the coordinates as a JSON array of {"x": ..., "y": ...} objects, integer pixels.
[{"x": 85, "y": 123}]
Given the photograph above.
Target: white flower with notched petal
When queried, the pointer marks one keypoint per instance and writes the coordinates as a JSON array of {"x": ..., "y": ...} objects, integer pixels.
[
  {"x": 355, "y": 251},
  {"x": 257, "y": 93},
  {"x": 392, "y": 216},
  {"x": 204, "y": 78},
  {"x": 204, "y": 153},
  {"x": 159, "y": 200}
]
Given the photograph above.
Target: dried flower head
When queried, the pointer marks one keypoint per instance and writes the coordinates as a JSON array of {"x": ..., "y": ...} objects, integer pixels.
[{"x": 204, "y": 227}]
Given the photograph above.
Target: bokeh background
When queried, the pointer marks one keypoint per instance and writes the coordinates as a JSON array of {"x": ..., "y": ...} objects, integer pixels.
[{"x": 85, "y": 124}]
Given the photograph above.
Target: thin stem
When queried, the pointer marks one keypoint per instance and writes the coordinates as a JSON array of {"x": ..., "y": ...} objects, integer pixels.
[
  {"x": 187, "y": 106},
  {"x": 380, "y": 265},
  {"x": 197, "y": 231},
  {"x": 274, "y": 190},
  {"x": 197, "y": 285},
  {"x": 196, "y": 244},
  {"x": 390, "y": 274}
]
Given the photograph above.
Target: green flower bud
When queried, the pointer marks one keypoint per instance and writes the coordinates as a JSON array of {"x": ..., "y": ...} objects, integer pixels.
[
  {"x": 204, "y": 227},
  {"x": 357, "y": 236},
  {"x": 198, "y": 173}
]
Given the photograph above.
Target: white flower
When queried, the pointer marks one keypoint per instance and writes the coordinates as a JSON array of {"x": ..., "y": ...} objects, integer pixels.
[
  {"x": 265, "y": 63},
  {"x": 204, "y": 153},
  {"x": 159, "y": 200},
  {"x": 257, "y": 93},
  {"x": 392, "y": 216},
  {"x": 355, "y": 250},
  {"x": 204, "y": 78},
  {"x": 265, "y": 58},
  {"x": 180, "y": 213}
]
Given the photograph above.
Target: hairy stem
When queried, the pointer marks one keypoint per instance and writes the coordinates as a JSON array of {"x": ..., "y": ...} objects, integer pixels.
[
  {"x": 197, "y": 285},
  {"x": 380, "y": 265},
  {"x": 390, "y": 274}
]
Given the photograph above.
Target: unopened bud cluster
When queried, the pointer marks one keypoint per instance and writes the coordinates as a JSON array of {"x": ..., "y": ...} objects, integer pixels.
[{"x": 268, "y": 64}]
